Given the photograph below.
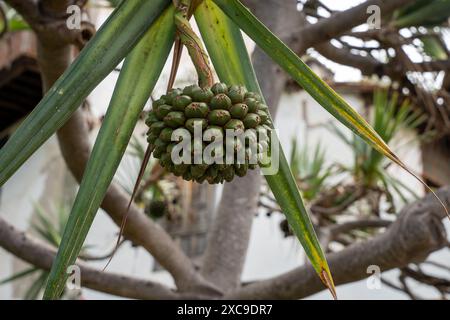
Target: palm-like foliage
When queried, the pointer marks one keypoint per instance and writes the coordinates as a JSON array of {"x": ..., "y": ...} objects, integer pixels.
[
  {"x": 50, "y": 229},
  {"x": 143, "y": 32},
  {"x": 434, "y": 48},
  {"x": 369, "y": 167},
  {"x": 427, "y": 13},
  {"x": 10, "y": 20},
  {"x": 309, "y": 168}
]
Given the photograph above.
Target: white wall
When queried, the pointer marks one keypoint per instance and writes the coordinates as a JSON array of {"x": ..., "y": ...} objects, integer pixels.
[{"x": 42, "y": 173}]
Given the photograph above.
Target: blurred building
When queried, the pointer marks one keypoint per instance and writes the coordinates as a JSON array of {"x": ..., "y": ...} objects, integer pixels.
[{"x": 20, "y": 82}]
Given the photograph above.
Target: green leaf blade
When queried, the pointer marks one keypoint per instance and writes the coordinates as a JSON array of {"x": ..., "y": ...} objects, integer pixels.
[
  {"x": 303, "y": 75},
  {"x": 434, "y": 48},
  {"x": 19, "y": 275},
  {"x": 137, "y": 79},
  {"x": 425, "y": 13},
  {"x": 103, "y": 53},
  {"x": 317, "y": 88},
  {"x": 232, "y": 63}
]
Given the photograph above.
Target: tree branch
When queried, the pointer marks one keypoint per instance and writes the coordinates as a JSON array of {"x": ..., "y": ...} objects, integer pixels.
[
  {"x": 331, "y": 233},
  {"x": 367, "y": 65},
  {"x": 371, "y": 66},
  {"x": 48, "y": 24},
  {"x": 340, "y": 22},
  {"x": 418, "y": 232},
  {"x": 54, "y": 58},
  {"x": 295, "y": 31},
  {"x": 75, "y": 147},
  {"x": 41, "y": 255}
]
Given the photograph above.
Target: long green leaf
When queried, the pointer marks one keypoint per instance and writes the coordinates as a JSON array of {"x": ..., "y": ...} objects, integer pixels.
[
  {"x": 110, "y": 45},
  {"x": 19, "y": 275},
  {"x": 137, "y": 79},
  {"x": 33, "y": 292},
  {"x": 317, "y": 88},
  {"x": 405, "y": 10},
  {"x": 301, "y": 73},
  {"x": 434, "y": 48},
  {"x": 230, "y": 57},
  {"x": 435, "y": 12}
]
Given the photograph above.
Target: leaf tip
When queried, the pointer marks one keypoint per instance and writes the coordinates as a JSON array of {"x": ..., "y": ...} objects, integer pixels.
[{"x": 327, "y": 280}]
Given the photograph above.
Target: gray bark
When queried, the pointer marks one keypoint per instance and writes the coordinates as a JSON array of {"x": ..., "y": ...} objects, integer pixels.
[
  {"x": 417, "y": 233},
  {"x": 229, "y": 238},
  {"x": 54, "y": 56}
]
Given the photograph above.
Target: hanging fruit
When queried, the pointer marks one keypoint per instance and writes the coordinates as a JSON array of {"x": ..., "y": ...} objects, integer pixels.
[{"x": 214, "y": 109}]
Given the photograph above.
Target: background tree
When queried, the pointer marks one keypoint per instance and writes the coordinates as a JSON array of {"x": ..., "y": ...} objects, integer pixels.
[{"x": 416, "y": 232}]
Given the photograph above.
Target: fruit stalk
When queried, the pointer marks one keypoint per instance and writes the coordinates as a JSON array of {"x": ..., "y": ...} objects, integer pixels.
[{"x": 193, "y": 44}]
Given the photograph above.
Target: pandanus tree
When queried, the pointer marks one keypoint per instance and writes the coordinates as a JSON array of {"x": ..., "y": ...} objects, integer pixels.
[{"x": 143, "y": 32}]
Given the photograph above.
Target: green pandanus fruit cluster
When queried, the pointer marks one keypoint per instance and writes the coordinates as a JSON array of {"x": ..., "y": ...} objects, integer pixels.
[{"x": 230, "y": 113}]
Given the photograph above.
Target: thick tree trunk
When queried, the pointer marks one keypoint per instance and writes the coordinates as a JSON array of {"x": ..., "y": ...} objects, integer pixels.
[
  {"x": 229, "y": 239},
  {"x": 54, "y": 57}
]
